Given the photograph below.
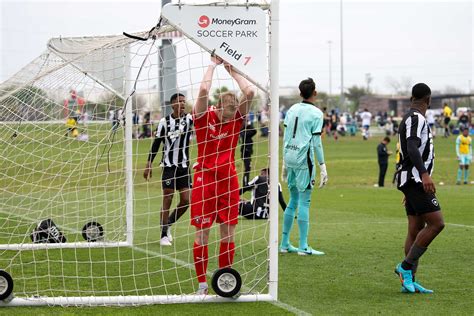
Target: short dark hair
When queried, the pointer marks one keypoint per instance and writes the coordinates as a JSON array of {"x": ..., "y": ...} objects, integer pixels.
[
  {"x": 307, "y": 87},
  {"x": 420, "y": 91},
  {"x": 387, "y": 139},
  {"x": 175, "y": 96}
]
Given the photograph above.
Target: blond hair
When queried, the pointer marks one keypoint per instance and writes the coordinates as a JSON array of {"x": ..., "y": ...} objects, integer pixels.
[{"x": 223, "y": 97}]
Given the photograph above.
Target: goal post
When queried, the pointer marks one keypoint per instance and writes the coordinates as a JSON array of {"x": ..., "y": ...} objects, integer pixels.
[
  {"x": 68, "y": 77},
  {"x": 79, "y": 224}
]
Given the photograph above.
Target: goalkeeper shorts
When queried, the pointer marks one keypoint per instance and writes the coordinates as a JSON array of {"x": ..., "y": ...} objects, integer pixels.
[
  {"x": 214, "y": 197},
  {"x": 302, "y": 179}
]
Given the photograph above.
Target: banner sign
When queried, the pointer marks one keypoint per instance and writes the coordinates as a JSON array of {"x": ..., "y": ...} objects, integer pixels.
[{"x": 237, "y": 34}]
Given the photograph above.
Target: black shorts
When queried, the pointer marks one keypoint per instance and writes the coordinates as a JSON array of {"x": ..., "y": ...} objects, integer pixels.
[
  {"x": 417, "y": 201},
  {"x": 447, "y": 120},
  {"x": 176, "y": 178}
]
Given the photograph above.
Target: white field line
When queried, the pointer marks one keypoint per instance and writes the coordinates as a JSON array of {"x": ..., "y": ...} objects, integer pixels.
[
  {"x": 387, "y": 222},
  {"x": 190, "y": 266},
  {"x": 460, "y": 225},
  {"x": 279, "y": 304}
]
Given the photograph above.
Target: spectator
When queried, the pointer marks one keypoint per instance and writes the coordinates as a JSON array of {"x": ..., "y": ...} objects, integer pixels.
[{"x": 382, "y": 154}]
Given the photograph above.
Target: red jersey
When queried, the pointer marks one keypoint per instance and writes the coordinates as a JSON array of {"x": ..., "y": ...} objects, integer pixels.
[{"x": 216, "y": 141}]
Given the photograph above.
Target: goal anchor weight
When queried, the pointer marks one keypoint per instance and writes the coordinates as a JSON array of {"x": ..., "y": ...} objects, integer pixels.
[
  {"x": 226, "y": 282},
  {"x": 93, "y": 231},
  {"x": 6, "y": 286}
]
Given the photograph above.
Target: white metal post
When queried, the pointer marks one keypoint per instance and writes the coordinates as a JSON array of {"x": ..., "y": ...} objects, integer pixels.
[
  {"x": 342, "y": 60},
  {"x": 274, "y": 148},
  {"x": 128, "y": 154}
]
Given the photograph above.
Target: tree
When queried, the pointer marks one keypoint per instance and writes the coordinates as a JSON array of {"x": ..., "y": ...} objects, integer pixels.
[
  {"x": 452, "y": 90},
  {"x": 139, "y": 102},
  {"x": 27, "y": 103},
  {"x": 107, "y": 102},
  {"x": 354, "y": 93},
  {"x": 217, "y": 93},
  {"x": 368, "y": 81},
  {"x": 400, "y": 87}
]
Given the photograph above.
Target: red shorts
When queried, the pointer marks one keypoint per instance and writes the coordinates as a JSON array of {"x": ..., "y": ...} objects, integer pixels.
[{"x": 214, "y": 197}]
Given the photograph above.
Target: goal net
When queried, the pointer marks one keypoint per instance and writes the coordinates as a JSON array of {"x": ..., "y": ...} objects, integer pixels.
[{"x": 79, "y": 223}]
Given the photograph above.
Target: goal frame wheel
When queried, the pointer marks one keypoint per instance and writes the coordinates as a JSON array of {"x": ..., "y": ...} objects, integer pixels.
[
  {"x": 6, "y": 285},
  {"x": 90, "y": 238},
  {"x": 226, "y": 282}
]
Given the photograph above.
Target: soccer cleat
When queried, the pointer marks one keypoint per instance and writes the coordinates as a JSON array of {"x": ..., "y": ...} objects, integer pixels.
[
  {"x": 418, "y": 289},
  {"x": 165, "y": 241},
  {"x": 406, "y": 278},
  {"x": 421, "y": 289},
  {"x": 309, "y": 252},
  {"x": 289, "y": 249},
  {"x": 168, "y": 234},
  {"x": 202, "y": 291}
]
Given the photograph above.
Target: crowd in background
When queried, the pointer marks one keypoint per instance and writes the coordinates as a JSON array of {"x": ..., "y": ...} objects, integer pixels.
[{"x": 337, "y": 123}]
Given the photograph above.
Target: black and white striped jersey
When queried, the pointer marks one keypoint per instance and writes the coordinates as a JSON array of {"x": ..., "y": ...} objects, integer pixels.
[
  {"x": 414, "y": 126},
  {"x": 175, "y": 134}
]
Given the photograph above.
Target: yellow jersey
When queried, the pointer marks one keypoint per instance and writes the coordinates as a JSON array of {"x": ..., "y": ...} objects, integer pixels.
[
  {"x": 464, "y": 144},
  {"x": 447, "y": 112},
  {"x": 397, "y": 153}
]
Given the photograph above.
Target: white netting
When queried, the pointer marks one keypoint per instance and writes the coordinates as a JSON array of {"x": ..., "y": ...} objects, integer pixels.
[{"x": 73, "y": 173}]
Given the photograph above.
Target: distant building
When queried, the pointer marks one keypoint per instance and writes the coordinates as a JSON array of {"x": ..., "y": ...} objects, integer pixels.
[
  {"x": 398, "y": 105},
  {"x": 393, "y": 105}
]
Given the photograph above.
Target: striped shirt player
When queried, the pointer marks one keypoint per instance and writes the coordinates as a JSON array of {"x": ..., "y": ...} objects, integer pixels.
[
  {"x": 414, "y": 126},
  {"x": 425, "y": 220},
  {"x": 174, "y": 132}
]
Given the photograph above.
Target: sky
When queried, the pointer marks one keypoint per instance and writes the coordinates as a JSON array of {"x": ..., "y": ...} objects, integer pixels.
[{"x": 392, "y": 41}]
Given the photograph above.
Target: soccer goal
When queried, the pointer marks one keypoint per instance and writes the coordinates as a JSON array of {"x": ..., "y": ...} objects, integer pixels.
[{"x": 79, "y": 224}]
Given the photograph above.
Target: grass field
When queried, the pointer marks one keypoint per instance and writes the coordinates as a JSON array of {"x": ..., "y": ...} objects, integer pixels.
[{"x": 360, "y": 227}]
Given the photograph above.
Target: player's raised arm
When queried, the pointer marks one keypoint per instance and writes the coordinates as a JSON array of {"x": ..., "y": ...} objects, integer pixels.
[
  {"x": 203, "y": 98},
  {"x": 246, "y": 88}
]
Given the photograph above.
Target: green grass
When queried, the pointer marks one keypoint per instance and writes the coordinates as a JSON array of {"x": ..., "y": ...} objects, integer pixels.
[{"x": 360, "y": 227}]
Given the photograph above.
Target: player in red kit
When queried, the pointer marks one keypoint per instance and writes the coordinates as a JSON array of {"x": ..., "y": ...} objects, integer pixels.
[{"x": 215, "y": 195}]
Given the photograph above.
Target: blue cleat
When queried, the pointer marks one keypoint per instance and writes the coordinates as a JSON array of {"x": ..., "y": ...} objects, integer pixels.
[
  {"x": 289, "y": 249},
  {"x": 418, "y": 289},
  {"x": 406, "y": 278},
  {"x": 309, "y": 252}
]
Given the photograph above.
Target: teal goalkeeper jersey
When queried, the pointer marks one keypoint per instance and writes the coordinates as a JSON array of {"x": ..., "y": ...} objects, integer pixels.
[{"x": 303, "y": 121}]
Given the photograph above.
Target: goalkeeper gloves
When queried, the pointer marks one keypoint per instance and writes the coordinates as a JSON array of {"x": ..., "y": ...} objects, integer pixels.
[
  {"x": 324, "y": 175},
  {"x": 284, "y": 173}
]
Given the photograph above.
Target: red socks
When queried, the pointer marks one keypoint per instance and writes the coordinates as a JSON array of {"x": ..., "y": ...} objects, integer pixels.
[
  {"x": 226, "y": 254},
  {"x": 200, "y": 253},
  {"x": 200, "y": 261}
]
